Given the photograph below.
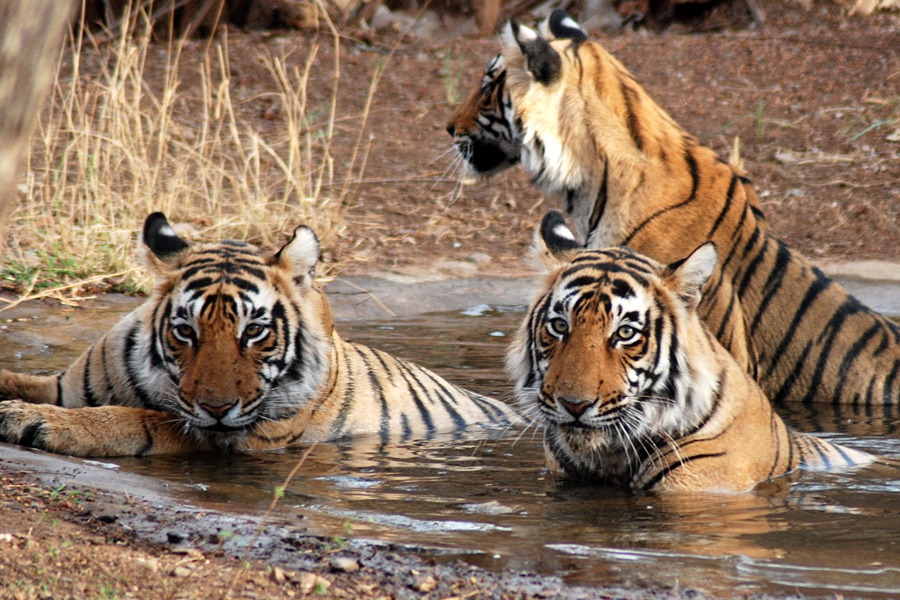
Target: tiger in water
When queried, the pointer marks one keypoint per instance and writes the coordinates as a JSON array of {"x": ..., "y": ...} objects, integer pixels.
[
  {"x": 235, "y": 349},
  {"x": 630, "y": 387}
]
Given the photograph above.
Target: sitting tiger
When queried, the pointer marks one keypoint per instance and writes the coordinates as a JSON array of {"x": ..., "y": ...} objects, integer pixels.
[
  {"x": 630, "y": 386},
  {"x": 629, "y": 175},
  {"x": 235, "y": 349}
]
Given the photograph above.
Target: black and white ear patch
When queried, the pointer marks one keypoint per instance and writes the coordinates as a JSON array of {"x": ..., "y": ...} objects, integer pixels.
[
  {"x": 541, "y": 60},
  {"x": 564, "y": 27},
  {"x": 556, "y": 234},
  {"x": 160, "y": 238}
]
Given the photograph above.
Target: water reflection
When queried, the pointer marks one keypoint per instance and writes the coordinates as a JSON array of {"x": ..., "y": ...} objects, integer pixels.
[{"x": 485, "y": 496}]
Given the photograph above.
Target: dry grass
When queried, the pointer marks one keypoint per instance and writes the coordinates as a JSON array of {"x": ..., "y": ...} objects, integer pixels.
[{"x": 110, "y": 149}]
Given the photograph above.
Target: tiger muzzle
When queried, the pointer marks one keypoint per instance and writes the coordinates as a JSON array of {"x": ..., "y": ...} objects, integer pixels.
[
  {"x": 574, "y": 406},
  {"x": 217, "y": 410}
]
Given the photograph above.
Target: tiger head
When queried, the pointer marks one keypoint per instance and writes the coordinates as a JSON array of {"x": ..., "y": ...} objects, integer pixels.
[
  {"x": 237, "y": 334},
  {"x": 484, "y": 127},
  {"x": 606, "y": 356}
]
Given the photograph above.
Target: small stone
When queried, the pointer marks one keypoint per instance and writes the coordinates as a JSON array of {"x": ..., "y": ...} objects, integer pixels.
[
  {"x": 786, "y": 157},
  {"x": 479, "y": 258},
  {"x": 310, "y": 582},
  {"x": 344, "y": 564},
  {"x": 181, "y": 571},
  {"x": 382, "y": 19},
  {"x": 151, "y": 565},
  {"x": 425, "y": 583},
  {"x": 278, "y": 575}
]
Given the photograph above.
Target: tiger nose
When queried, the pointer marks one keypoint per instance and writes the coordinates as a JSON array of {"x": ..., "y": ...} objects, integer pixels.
[
  {"x": 451, "y": 129},
  {"x": 576, "y": 408},
  {"x": 217, "y": 411}
]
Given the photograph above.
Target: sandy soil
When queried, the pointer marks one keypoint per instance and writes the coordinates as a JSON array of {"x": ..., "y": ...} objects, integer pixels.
[{"x": 813, "y": 97}]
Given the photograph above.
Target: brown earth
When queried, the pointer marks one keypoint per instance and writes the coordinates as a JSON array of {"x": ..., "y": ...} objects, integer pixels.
[{"x": 814, "y": 98}]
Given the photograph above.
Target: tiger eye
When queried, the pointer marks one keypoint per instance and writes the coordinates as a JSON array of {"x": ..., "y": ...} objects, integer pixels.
[
  {"x": 184, "y": 331},
  {"x": 627, "y": 333},
  {"x": 253, "y": 330},
  {"x": 558, "y": 326}
]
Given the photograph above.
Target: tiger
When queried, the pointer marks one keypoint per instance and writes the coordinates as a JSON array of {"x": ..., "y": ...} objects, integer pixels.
[
  {"x": 633, "y": 390},
  {"x": 235, "y": 350},
  {"x": 629, "y": 175}
]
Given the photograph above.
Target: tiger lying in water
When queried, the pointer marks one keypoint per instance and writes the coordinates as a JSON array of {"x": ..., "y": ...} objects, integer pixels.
[
  {"x": 632, "y": 388},
  {"x": 235, "y": 349},
  {"x": 629, "y": 175}
]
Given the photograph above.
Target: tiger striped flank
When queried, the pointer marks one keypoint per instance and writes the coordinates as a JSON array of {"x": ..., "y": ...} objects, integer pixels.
[
  {"x": 234, "y": 350},
  {"x": 630, "y": 387},
  {"x": 628, "y": 174}
]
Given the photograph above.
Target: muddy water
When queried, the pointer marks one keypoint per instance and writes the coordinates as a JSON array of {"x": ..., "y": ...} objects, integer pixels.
[{"x": 485, "y": 498}]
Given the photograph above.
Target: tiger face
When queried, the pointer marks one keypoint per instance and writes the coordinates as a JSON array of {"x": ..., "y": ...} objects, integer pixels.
[
  {"x": 483, "y": 126},
  {"x": 238, "y": 335},
  {"x": 598, "y": 360}
]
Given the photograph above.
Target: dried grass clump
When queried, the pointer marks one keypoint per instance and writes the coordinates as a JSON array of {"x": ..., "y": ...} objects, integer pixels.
[{"x": 109, "y": 150}]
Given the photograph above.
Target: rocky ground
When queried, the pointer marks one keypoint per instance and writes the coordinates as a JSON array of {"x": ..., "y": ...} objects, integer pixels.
[{"x": 813, "y": 97}]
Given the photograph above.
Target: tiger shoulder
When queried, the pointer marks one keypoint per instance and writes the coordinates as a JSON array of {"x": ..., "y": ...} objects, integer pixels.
[
  {"x": 235, "y": 349},
  {"x": 630, "y": 387}
]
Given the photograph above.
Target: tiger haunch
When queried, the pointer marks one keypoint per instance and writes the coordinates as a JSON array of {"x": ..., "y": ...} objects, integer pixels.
[
  {"x": 633, "y": 390},
  {"x": 629, "y": 175},
  {"x": 235, "y": 349}
]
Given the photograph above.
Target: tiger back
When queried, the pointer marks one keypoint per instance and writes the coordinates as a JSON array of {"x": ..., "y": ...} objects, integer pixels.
[
  {"x": 235, "y": 349},
  {"x": 631, "y": 388},
  {"x": 628, "y": 174}
]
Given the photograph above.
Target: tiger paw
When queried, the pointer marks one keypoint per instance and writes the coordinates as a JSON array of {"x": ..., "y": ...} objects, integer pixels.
[{"x": 23, "y": 424}]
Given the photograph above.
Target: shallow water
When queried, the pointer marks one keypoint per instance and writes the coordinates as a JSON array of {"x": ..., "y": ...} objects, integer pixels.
[{"x": 485, "y": 497}]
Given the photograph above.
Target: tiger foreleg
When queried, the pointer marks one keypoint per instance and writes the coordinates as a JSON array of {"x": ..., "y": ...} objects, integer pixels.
[
  {"x": 40, "y": 389},
  {"x": 94, "y": 431}
]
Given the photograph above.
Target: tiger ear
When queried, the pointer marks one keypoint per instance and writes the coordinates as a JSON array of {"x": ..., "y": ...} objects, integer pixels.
[
  {"x": 560, "y": 26},
  {"x": 554, "y": 242},
  {"x": 541, "y": 60},
  {"x": 301, "y": 254},
  {"x": 163, "y": 248},
  {"x": 687, "y": 276}
]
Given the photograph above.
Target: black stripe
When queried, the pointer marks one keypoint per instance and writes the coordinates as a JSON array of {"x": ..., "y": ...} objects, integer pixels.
[
  {"x": 148, "y": 444},
  {"x": 695, "y": 182},
  {"x": 783, "y": 258},
  {"x": 889, "y": 383},
  {"x": 678, "y": 464},
  {"x": 750, "y": 268},
  {"x": 417, "y": 399},
  {"x": 444, "y": 395},
  {"x": 849, "y": 308},
  {"x": 812, "y": 293},
  {"x": 631, "y": 98},
  {"x": 780, "y": 396},
  {"x": 728, "y": 198},
  {"x": 851, "y": 355},
  {"x": 773, "y": 429},
  {"x": 88, "y": 390},
  {"x": 599, "y": 203},
  {"x": 384, "y": 429},
  {"x": 349, "y": 395}
]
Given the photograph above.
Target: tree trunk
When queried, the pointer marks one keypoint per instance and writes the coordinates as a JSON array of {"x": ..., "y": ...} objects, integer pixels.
[{"x": 31, "y": 34}]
